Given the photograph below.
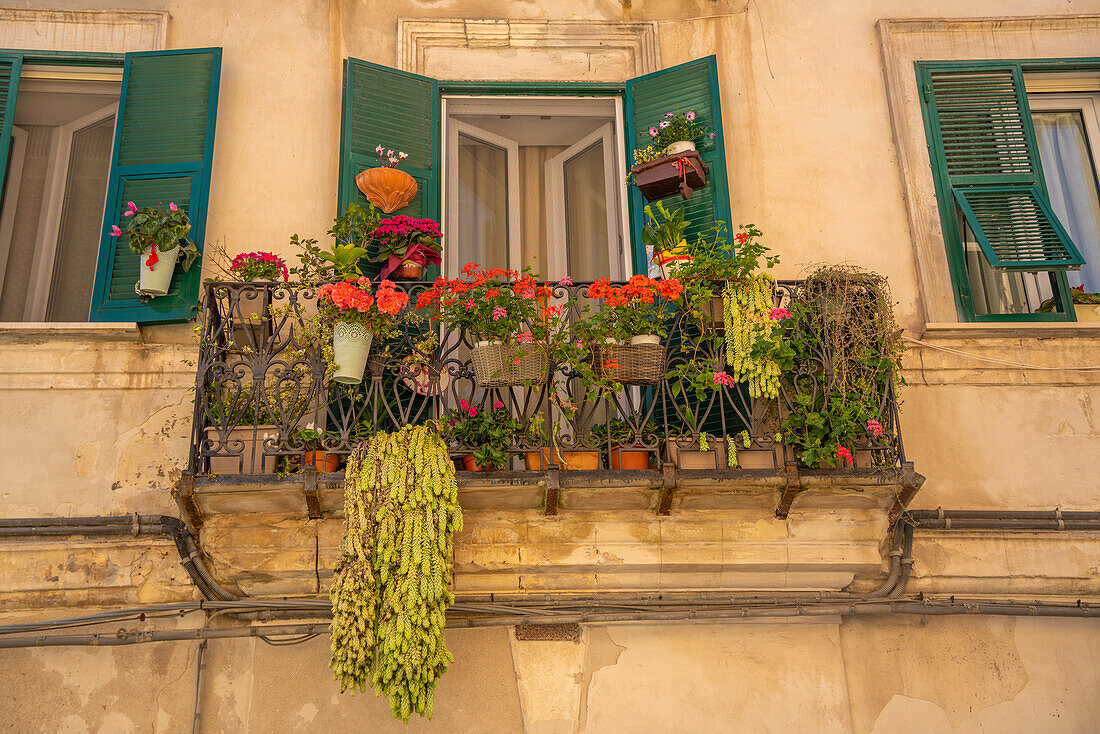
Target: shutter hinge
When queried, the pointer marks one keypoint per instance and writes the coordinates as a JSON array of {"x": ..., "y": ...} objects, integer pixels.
[{"x": 927, "y": 91}]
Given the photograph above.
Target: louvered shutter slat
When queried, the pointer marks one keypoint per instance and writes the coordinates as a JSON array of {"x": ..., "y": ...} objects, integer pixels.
[
  {"x": 690, "y": 86},
  {"x": 399, "y": 111},
  {"x": 164, "y": 140},
  {"x": 10, "y": 67},
  {"x": 982, "y": 129}
]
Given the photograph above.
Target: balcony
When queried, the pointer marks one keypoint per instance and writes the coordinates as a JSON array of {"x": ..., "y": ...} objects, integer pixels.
[{"x": 260, "y": 381}]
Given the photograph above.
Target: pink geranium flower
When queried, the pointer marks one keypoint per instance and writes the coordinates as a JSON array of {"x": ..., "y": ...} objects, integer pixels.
[{"x": 724, "y": 378}]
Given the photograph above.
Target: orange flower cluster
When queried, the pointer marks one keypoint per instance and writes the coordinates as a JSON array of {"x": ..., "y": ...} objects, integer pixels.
[
  {"x": 639, "y": 288},
  {"x": 355, "y": 295}
]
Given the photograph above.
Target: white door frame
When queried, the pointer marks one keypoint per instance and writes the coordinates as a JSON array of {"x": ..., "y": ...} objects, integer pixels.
[
  {"x": 556, "y": 241},
  {"x": 49, "y": 222},
  {"x": 511, "y": 150}
]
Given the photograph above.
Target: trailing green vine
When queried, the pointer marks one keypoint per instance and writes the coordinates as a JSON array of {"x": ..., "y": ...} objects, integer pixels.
[
  {"x": 754, "y": 344},
  {"x": 392, "y": 585}
]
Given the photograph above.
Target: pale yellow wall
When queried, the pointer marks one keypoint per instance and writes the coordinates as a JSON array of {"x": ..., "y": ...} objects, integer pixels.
[{"x": 870, "y": 675}]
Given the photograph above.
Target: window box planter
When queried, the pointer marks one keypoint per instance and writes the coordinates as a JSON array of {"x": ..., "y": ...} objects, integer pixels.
[
  {"x": 682, "y": 174},
  {"x": 693, "y": 458}
]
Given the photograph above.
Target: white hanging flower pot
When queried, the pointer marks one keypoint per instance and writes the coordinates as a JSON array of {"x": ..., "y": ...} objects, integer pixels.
[
  {"x": 155, "y": 279},
  {"x": 680, "y": 146},
  {"x": 350, "y": 345}
]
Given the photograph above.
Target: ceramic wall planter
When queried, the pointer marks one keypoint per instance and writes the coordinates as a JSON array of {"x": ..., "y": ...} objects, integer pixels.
[
  {"x": 389, "y": 189},
  {"x": 680, "y": 147},
  {"x": 409, "y": 271},
  {"x": 155, "y": 279},
  {"x": 350, "y": 345}
]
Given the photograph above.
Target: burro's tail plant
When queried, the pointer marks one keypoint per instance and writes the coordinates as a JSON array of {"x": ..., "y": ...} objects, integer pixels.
[{"x": 392, "y": 584}]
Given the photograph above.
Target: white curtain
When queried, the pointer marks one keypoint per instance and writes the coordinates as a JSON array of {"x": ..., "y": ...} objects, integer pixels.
[
  {"x": 482, "y": 216},
  {"x": 1071, "y": 182},
  {"x": 586, "y": 215}
]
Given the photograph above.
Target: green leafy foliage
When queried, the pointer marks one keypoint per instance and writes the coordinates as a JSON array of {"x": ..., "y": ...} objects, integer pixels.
[
  {"x": 487, "y": 430},
  {"x": 664, "y": 230},
  {"x": 351, "y": 233},
  {"x": 152, "y": 226},
  {"x": 392, "y": 585}
]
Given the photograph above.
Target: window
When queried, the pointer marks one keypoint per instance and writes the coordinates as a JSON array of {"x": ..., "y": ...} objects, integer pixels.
[
  {"x": 1016, "y": 185},
  {"x": 529, "y": 173},
  {"x": 54, "y": 186},
  {"x": 81, "y": 137},
  {"x": 535, "y": 182}
]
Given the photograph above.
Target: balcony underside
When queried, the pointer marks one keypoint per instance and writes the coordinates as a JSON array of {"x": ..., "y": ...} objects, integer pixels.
[{"x": 720, "y": 532}]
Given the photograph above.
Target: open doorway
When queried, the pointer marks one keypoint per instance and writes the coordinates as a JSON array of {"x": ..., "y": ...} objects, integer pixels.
[{"x": 535, "y": 181}]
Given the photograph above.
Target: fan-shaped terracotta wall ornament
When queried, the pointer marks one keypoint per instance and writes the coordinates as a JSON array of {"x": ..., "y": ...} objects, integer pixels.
[{"x": 387, "y": 188}]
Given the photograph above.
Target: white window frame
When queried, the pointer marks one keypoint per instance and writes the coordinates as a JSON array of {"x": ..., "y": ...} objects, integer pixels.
[
  {"x": 556, "y": 245},
  {"x": 560, "y": 106},
  {"x": 49, "y": 223}
]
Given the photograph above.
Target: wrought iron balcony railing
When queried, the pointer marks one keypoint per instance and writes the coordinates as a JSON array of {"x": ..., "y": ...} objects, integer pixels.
[{"x": 261, "y": 380}]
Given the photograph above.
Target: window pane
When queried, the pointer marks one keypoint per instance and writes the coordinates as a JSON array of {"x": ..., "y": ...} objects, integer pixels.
[
  {"x": 586, "y": 215},
  {"x": 28, "y": 209},
  {"x": 81, "y": 215},
  {"x": 482, "y": 217},
  {"x": 1070, "y": 173}
]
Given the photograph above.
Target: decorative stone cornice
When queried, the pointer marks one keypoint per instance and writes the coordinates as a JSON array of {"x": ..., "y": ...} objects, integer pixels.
[
  {"x": 107, "y": 31},
  {"x": 635, "y": 40}
]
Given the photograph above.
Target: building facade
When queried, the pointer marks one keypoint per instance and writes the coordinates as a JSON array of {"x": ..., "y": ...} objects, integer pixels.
[{"x": 953, "y": 148}]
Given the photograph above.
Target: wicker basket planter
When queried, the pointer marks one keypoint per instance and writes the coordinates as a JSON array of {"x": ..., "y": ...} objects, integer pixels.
[
  {"x": 662, "y": 177},
  {"x": 641, "y": 362},
  {"x": 502, "y": 365}
]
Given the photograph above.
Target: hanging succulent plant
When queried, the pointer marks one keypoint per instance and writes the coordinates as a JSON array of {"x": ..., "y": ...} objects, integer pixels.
[{"x": 392, "y": 585}]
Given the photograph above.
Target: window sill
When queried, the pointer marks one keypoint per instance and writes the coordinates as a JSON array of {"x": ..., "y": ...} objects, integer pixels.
[
  {"x": 37, "y": 331},
  {"x": 1006, "y": 330}
]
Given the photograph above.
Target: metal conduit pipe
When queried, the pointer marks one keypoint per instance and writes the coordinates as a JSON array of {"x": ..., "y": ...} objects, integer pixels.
[
  {"x": 134, "y": 636},
  {"x": 120, "y": 525},
  {"x": 1055, "y": 514}
]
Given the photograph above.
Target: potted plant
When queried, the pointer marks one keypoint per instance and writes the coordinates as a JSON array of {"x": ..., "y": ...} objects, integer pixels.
[
  {"x": 256, "y": 267},
  {"x": 705, "y": 451},
  {"x": 407, "y": 246},
  {"x": 679, "y": 167},
  {"x": 385, "y": 186},
  {"x": 357, "y": 316},
  {"x": 485, "y": 433},
  {"x": 635, "y": 314},
  {"x": 504, "y": 311},
  {"x": 663, "y": 236},
  {"x": 1086, "y": 306},
  {"x": 159, "y": 238},
  {"x": 712, "y": 262},
  {"x": 312, "y": 440},
  {"x": 626, "y": 447}
]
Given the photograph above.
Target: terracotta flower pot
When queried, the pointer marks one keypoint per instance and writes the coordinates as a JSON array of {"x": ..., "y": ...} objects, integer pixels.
[
  {"x": 628, "y": 457},
  {"x": 469, "y": 463},
  {"x": 323, "y": 461},
  {"x": 409, "y": 271},
  {"x": 389, "y": 189},
  {"x": 568, "y": 460}
]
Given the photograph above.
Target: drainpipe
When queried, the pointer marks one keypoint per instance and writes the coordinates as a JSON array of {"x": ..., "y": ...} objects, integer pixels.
[
  {"x": 1057, "y": 520},
  {"x": 191, "y": 556}
]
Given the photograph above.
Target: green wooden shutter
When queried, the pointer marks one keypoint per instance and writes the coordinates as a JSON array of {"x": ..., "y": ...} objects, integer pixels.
[
  {"x": 399, "y": 111},
  {"x": 10, "y": 67},
  {"x": 690, "y": 86},
  {"x": 164, "y": 144},
  {"x": 984, "y": 150}
]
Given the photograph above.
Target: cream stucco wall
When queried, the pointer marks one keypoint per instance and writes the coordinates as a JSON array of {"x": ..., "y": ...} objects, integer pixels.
[{"x": 98, "y": 421}]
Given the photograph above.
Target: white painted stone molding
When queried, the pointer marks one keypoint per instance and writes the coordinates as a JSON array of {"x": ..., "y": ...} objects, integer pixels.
[
  {"x": 109, "y": 31},
  {"x": 528, "y": 50}
]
